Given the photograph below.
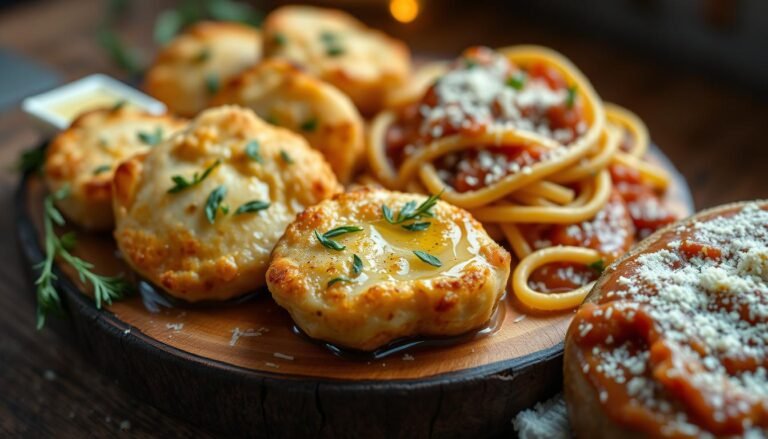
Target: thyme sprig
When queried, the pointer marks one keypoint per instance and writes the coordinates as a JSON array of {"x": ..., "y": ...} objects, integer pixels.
[
  {"x": 410, "y": 211},
  {"x": 105, "y": 288}
]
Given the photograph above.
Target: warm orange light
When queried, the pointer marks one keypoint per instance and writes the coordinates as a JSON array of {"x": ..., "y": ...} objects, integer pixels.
[{"x": 404, "y": 11}]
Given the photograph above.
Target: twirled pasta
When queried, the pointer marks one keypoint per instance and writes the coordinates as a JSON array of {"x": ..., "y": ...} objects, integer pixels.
[{"x": 519, "y": 137}]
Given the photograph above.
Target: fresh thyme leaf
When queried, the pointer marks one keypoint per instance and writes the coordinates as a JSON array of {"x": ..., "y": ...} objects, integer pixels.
[
  {"x": 329, "y": 243},
  {"x": 598, "y": 266},
  {"x": 286, "y": 158},
  {"x": 429, "y": 259},
  {"x": 357, "y": 264},
  {"x": 341, "y": 230},
  {"x": 416, "y": 227},
  {"x": 105, "y": 288},
  {"x": 252, "y": 206},
  {"x": 153, "y": 138},
  {"x": 309, "y": 125},
  {"x": 332, "y": 44},
  {"x": 410, "y": 211},
  {"x": 127, "y": 58},
  {"x": 253, "y": 150},
  {"x": 387, "y": 213},
  {"x": 225, "y": 209},
  {"x": 570, "y": 98},
  {"x": 338, "y": 279},
  {"x": 68, "y": 241},
  {"x": 182, "y": 183},
  {"x": 213, "y": 202},
  {"x": 31, "y": 161},
  {"x": 167, "y": 24},
  {"x": 212, "y": 83},
  {"x": 517, "y": 81},
  {"x": 118, "y": 105},
  {"x": 280, "y": 39},
  {"x": 203, "y": 56},
  {"x": 101, "y": 169}
]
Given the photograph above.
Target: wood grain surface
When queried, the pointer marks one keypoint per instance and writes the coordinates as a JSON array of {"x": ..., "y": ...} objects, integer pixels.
[{"x": 712, "y": 131}]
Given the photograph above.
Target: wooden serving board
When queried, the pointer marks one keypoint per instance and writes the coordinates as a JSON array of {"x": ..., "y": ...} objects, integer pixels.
[{"x": 242, "y": 368}]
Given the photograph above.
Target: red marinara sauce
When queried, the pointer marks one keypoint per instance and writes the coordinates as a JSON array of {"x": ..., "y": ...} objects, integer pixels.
[
  {"x": 536, "y": 97},
  {"x": 645, "y": 207},
  {"x": 610, "y": 232},
  {"x": 673, "y": 340}
]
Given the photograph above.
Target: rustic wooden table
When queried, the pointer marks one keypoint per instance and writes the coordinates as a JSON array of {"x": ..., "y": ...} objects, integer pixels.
[{"x": 713, "y": 132}]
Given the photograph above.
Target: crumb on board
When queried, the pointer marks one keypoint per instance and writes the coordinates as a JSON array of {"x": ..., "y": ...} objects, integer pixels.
[
  {"x": 250, "y": 332},
  {"x": 174, "y": 326},
  {"x": 125, "y": 425},
  {"x": 269, "y": 364},
  {"x": 408, "y": 357},
  {"x": 548, "y": 419},
  {"x": 283, "y": 356},
  {"x": 49, "y": 375},
  {"x": 519, "y": 318}
]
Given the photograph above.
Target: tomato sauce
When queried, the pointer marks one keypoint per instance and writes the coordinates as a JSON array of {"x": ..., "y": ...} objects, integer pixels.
[{"x": 652, "y": 367}]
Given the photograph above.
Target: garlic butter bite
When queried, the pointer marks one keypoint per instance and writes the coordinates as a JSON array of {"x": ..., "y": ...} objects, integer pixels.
[
  {"x": 362, "y": 62},
  {"x": 370, "y": 266},
  {"x": 196, "y": 64},
  {"x": 84, "y": 157},
  {"x": 288, "y": 97},
  {"x": 199, "y": 214}
]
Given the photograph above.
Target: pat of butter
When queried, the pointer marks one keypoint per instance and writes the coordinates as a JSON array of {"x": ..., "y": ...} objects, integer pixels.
[{"x": 55, "y": 110}]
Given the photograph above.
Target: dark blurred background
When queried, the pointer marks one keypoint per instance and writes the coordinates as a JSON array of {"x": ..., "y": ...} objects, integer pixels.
[{"x": 695, "y": 70}]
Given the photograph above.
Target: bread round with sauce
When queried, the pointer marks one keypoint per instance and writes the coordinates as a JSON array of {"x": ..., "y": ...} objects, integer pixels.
[
  {"x": 192, "y": 214},
  {"x": 84, "y": 158},
  {"x": 371, "y": 287},
  {"x": 286, "y": 96},
  {"x": 194, "y": 65},
  {"x": 587, "y": 414},
  {"x": 362, "y": 62}
]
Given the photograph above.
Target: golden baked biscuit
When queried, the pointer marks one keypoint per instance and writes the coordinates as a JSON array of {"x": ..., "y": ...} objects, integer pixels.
[
  {"x": 285, "y": 96},
  {"x": 362, "y": 62},
  {"x": 85, "y": 155},
  {"x": 350, "y": 276},
  {"x": 191, "y": 68},
  {"x": 199, "y": 214}
]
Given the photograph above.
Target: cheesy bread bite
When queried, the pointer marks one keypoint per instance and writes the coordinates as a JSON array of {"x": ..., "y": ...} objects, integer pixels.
[
  {"x": 199, "y": 214},
  {"x": 285, "y": 96},
  {"x": 85, "y": 155},
  {"x": 371, "y": 266},
  {"x": 362, "y": 62},
  {"x": 193, "y": 67}
]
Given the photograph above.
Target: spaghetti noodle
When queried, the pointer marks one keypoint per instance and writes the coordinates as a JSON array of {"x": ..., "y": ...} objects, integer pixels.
[{"x": 519, "y": 137}]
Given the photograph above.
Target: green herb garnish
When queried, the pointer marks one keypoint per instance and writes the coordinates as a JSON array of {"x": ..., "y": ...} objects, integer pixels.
[
  {"x": 338, "y": 279},
  {"x": 570, "y": 98},
  {"x": 416, "y": 227},
  {"x": 357, "y": 264},
  {"x": 286, "y": 158},
  {"x": 598, "y": 266},
  {"x": 280, "y": 39},
  {"x": 181, "y": 183},
  {"x": 342, "y": 230},
  {"x": 517, "y": 81},
  {"x": 411, "y": 212},
  {"x": 118, "y": 105},
  {"x": 153, "y": 138},
  {"x": 105, "y": 288},
  {"x": 470, "y": 63},
  {"x": 332, "y": 44},
  {"x": 101, "y": 169},
  {"x": 326, "y": 240},
  {"x": 252, "y": 206},
  {"x": 212, "y": 83},
  {"x": 31, "y": 161},
  {"x": 253, "y": 150},
  {"x": 329, "y": 243},
  {"x": 309, "y": 125},
  {"x": 213, "y": 202},
  {"x": 202, "y": 56},
  {"x": 429, "y": 259}
]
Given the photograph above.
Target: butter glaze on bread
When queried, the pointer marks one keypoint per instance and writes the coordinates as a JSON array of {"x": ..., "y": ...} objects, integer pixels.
[
  {"x": 395, "y": 294},
  {"x": 168, "y": 237},
  {"x": 85, "y": 155}
]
